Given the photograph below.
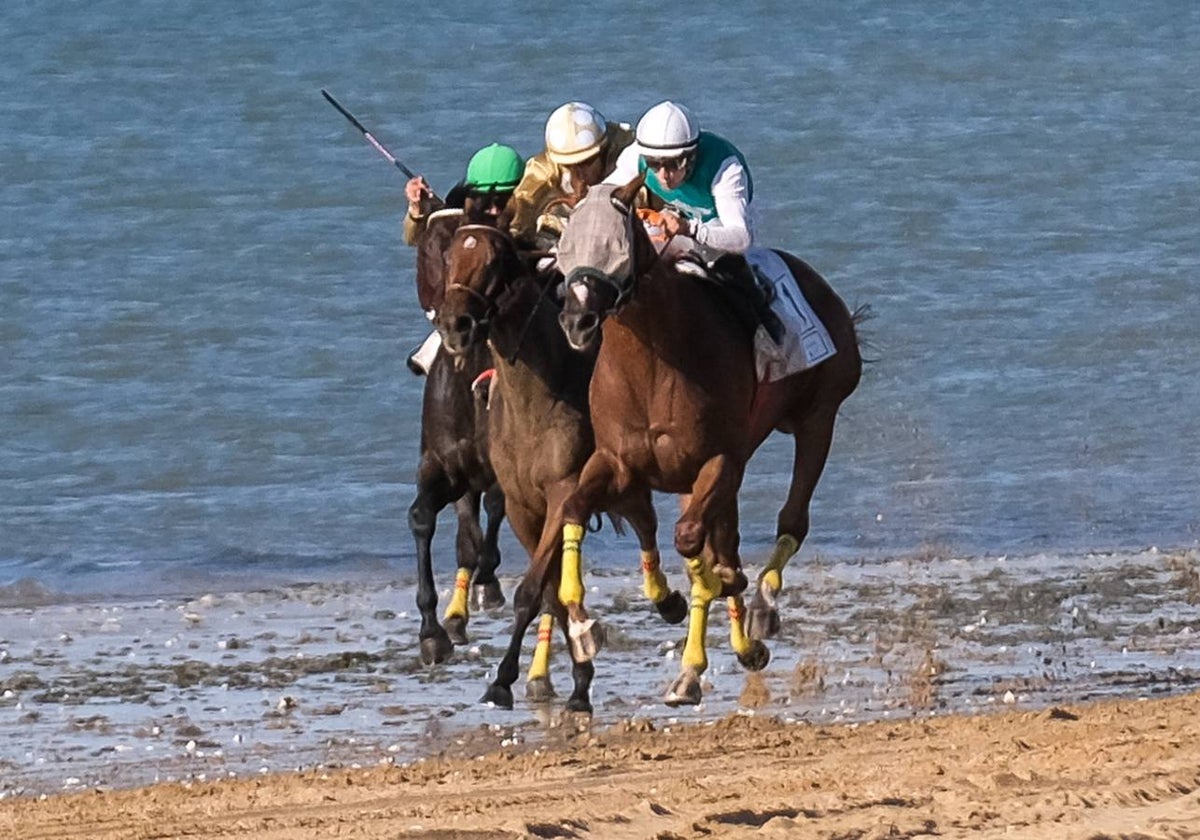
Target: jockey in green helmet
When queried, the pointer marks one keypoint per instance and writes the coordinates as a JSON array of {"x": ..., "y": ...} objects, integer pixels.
[{"x": 492, "y": 174}]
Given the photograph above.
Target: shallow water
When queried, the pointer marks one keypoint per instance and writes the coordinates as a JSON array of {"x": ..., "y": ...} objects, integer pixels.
[
  {"x": 206, "y": 305},
  {"x": 108, "y": 694}
]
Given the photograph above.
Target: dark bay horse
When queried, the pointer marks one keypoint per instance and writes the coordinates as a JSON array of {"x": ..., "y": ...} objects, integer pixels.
[
  {"x": 676, "y": 407},
  {"x": 539, "y": 431},
  {"x": 453, "y": 468}
]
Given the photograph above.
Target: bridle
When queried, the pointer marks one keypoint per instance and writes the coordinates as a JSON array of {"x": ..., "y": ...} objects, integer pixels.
[
  {"x": 490, "y": 306},
  {"x": 492, "y": 298}
]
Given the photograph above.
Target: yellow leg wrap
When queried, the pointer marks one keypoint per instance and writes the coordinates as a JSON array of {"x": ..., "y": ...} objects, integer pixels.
[
  {"x": 458, "y": 601},
  {"x": 785, "y": 548},
  {"x": 570, "y": 588},
  {"x": 540, "y": 667},
  {"x": 705, "y": 587},
  {"x": 738, "y": 639},
  {"x": 654, "y": 582}
]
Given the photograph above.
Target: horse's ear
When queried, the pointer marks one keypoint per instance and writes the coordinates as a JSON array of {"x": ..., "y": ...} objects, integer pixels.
[{"x": 626, "y": 194}]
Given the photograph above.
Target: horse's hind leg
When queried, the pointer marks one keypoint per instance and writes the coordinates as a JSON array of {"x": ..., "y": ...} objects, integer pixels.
[
  {"x": 486, "y": 593},
  {"x": 813, "y": 438},
  {"x": 640, "y": 513},
  {"x": 433, "y": 494}
]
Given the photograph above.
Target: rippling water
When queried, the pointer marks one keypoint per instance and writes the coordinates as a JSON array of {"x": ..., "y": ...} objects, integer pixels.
[{"x": 205, "y": 305}]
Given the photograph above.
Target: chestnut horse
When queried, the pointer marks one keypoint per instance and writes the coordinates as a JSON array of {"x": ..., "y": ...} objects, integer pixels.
[
  {"x": 539, "y": 432},
  {"x": 676, "y": 407},
  {"x": 453, "y": 468}
]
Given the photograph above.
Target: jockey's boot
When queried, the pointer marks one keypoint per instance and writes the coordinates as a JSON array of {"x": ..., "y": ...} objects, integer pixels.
[
  {"x": 738, "y": 273},
  {"x": 421, "y": 359}
]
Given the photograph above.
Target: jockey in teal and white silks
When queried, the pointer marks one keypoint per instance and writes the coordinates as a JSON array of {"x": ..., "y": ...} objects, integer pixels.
[{"x": 701, "y": 178}]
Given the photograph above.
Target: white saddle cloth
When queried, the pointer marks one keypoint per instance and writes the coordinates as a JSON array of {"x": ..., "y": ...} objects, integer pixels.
[{"x": 806, "y": 342}]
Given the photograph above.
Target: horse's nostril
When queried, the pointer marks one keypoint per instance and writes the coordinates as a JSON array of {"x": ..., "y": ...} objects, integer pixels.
[
  {"x": 587, "y": 322},
  {"x": 463, "y": 324}
]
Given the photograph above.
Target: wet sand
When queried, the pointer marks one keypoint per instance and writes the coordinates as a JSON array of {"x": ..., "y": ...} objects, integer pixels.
[{"x": 901, "y": 667}]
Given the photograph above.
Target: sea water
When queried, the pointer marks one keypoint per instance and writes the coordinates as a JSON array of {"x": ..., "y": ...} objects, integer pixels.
[{"x": 205, "y": 304}]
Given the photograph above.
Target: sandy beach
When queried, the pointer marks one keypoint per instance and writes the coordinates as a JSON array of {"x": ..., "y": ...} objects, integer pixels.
[
  {"x": 1114, "y": 769},
  {"x": 1039, "y": 696}
]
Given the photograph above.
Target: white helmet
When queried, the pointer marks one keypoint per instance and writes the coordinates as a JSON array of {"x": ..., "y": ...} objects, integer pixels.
[
  {"x": 667, "y": 130},
  {"x": 574, "y": 133}
]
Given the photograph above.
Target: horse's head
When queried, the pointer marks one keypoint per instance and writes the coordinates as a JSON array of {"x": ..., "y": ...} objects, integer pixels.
[
  {"x": 481, "y": 263},
  {"x": 598, "y": 255}
]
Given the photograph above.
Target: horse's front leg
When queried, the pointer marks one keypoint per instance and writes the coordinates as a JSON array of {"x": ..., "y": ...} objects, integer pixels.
[
  {"x": 813, "y": 438},
  {"x": 529, "y": 527},
  {"x": 468, "y": 544},
  {"x": 710, "y": 511},
  {"x": 709, "y": 516},
  {"x": 706, "y": 586},
  {"x": 433, "y": 494},
  {"x": 538, "y": 687},
  {"x": 594, "y": 490}
]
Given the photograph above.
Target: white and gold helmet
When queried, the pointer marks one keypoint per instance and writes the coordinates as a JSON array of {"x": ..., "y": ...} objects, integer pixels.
[{"x": 574, "y": 133}]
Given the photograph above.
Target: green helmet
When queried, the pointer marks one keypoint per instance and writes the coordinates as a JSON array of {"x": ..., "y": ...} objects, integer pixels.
[{"x": 495, "y": 168}]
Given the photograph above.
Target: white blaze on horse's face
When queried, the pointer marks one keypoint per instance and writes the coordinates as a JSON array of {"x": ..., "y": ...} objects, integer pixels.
[
  {"x": 579, "y": 291},
  {"x": 598, "y": 239}
]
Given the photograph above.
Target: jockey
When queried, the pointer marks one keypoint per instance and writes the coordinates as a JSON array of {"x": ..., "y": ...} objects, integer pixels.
[
  {"x": 705, "y": 187},
  {"x": 581, "y": 148},
  {"x": 492, "y": 174},
  {"x": 700, "y": 177}
]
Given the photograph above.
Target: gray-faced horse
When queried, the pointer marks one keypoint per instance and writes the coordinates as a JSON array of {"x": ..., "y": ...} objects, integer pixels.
[
  {"x": 676, "y": 407},
  {"x": 539, "y": 430}
]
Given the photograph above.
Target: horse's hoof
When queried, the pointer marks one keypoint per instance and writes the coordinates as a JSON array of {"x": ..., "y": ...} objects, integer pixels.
[
  {"x": 500, "y": 696},
  {"x": 539, "y": 690},
  {"x": 579, "y": 706},
  {"x": 456, "y": 629},
  {"x": 756, "y": 658},
  {"x": 762, "y": 621},
  {"x": 436, "y": 649},
  {"x": 487, "y": 596},
  {"x": 685, "y": 691},
  {"x": 587, "y": 638},
  {"x": 673, "y": 608}
]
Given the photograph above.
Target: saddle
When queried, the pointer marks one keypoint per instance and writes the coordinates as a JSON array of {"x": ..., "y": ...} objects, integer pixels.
[{"x": 748, "y": 295}]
